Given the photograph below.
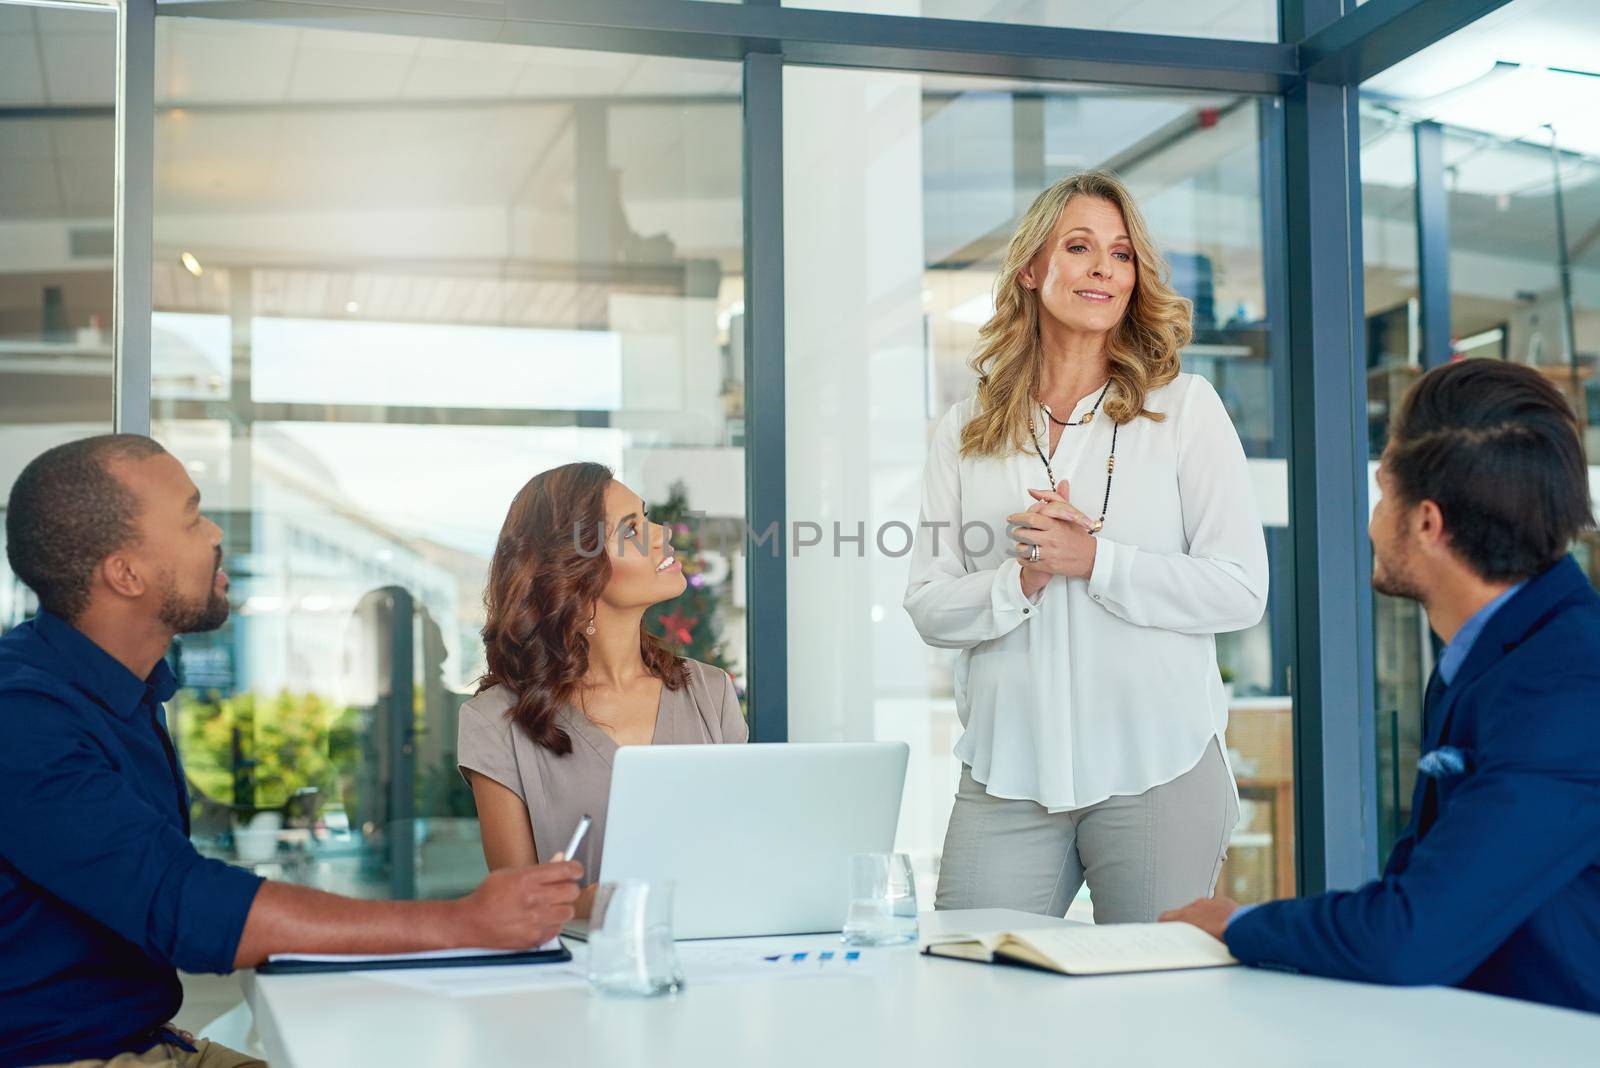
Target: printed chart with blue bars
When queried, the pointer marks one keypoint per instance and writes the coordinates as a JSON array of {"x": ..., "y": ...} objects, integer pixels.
[{"x": 824, "y": 958}]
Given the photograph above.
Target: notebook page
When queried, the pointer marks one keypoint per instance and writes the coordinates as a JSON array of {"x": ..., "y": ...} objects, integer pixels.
[{"x": 1126, "y": 947}]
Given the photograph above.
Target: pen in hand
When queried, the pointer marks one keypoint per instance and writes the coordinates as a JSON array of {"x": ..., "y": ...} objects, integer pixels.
[{"x": 577, "y": 839}]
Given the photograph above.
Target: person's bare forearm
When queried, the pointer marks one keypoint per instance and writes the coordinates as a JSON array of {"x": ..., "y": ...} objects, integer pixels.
[
  {"x": 297, "y": 919},
  {"x": 513, "y": 908}
]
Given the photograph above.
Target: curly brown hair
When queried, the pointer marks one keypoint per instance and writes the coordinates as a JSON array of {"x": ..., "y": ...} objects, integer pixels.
[{"x": 550, "y": 566}]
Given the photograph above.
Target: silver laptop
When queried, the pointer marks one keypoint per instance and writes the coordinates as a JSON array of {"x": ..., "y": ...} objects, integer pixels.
[{"x": 755, "y": 838}]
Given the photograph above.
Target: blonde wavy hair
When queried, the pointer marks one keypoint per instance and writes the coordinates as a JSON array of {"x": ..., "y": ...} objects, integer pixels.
[{"x": 1142, "y": 350}]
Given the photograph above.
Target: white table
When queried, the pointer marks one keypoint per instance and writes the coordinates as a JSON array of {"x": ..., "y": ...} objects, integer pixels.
[{"x": 920, "y": 1013}]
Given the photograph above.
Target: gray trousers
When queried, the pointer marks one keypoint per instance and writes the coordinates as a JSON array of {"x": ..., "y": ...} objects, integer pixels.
[{"x": 1141, "y": 854}]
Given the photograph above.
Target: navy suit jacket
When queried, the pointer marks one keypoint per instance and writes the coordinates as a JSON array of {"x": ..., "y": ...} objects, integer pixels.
[{"x": 1495, "y": 883}]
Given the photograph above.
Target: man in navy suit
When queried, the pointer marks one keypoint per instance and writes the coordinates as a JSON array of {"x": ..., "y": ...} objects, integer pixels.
[{"x": 1495, "y": 883}]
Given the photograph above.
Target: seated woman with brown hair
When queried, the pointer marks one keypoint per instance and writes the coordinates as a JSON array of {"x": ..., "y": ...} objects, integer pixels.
[{"x": 572, "y": 673}]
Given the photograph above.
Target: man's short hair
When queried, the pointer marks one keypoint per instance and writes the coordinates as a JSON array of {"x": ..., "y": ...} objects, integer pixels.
[
  {"x": 1495, "y": 445},
  {"x": 67, "y": 513}
]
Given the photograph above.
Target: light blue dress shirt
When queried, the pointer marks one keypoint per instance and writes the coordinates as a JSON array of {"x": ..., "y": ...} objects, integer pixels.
[{"x": 1455, "y": 653}]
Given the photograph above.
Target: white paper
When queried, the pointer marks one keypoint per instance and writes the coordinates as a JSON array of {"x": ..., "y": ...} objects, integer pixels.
[
  {"x": 702, "y": 962},
  {"x": 431, "y": 954},
  {"x": 726, "y": 962},
  {"x": 483, "y": 982}
]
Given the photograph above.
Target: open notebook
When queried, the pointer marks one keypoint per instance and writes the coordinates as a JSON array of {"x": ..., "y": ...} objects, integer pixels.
[{"x": 1086, "y": 950}]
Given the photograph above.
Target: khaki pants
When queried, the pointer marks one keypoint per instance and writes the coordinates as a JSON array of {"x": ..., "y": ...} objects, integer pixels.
[
  {"x": 1141, "y": 855},
  {"x": 207, "y": 1055}
]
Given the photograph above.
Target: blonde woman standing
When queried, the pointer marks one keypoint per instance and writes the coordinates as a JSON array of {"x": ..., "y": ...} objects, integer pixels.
[{"x": 1088, "y": 527}]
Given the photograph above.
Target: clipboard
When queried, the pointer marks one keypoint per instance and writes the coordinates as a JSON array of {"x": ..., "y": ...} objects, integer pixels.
[{"x": 318, "y": 964}]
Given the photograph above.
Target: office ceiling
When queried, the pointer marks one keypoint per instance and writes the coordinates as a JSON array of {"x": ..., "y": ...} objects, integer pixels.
[
  {"x": 1526, "y": 64},
  {"x": 487, "y": 138}
]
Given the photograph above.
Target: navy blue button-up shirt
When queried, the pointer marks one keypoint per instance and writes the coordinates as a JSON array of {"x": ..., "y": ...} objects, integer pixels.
[{"x": 102, "y": 896}]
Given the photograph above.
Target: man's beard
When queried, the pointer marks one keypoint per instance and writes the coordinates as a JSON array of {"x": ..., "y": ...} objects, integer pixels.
[
  {"x": 1393, "y": 581},
  {"x": 192, "y": 617}
]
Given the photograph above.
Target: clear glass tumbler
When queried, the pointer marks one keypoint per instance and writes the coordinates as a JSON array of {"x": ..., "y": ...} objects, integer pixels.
[
  {"x": 630, "y": 939},
  {"x": 883, "y": 900}
]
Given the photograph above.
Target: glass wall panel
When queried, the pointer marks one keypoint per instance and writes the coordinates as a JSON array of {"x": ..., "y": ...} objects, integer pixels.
[
  {"x": 1237, "y": 20},
  {"x": 1515, "y": 94},
  {"x": 1502, "y": 199},
  {"x": 895, "y": 224},
  {"x": 395, "y": 278},
  {"x": 57, "y": 174},
  {"x": 1403, "y": 653}
]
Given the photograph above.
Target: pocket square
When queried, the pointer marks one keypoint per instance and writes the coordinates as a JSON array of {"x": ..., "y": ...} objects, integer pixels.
[{"x": 1445, "y": 762}]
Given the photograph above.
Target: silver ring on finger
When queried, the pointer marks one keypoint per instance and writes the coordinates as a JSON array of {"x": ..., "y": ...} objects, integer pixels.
[{"x": 1033, "y": 555}]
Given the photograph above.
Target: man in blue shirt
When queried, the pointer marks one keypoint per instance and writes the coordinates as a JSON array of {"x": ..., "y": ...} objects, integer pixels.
[
  {"x": 1495, "y": 883},
  {"x": 101, "y": 895}
]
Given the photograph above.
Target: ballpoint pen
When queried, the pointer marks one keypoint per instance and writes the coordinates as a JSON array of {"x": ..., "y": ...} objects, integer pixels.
[{"x": 577, "y": 838}]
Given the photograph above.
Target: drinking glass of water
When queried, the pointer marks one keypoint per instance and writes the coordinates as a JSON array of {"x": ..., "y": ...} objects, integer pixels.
[
  {"x": 630, "y": 939},
  {"x": 883, "y": 900}
]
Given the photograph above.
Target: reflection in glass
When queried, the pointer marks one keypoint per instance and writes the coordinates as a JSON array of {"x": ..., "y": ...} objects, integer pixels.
[
  {"x": 896, "y": 226},
  {"x": 1402, "y": 654},
  {"x": 1507, "y": 180},
  {"x": 395, "y": 278},
  {"x": 57, "y": 144}
]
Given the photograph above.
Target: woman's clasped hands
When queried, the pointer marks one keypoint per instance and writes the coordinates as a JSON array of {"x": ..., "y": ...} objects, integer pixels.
[{"x": 1059, "y": 531}]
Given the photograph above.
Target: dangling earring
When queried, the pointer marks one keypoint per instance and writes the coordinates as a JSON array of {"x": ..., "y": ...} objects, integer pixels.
[{"x": 589, "y": 630}]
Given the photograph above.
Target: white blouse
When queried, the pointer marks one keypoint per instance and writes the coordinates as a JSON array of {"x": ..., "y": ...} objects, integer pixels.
[{"x": 1107, "y": 686}]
